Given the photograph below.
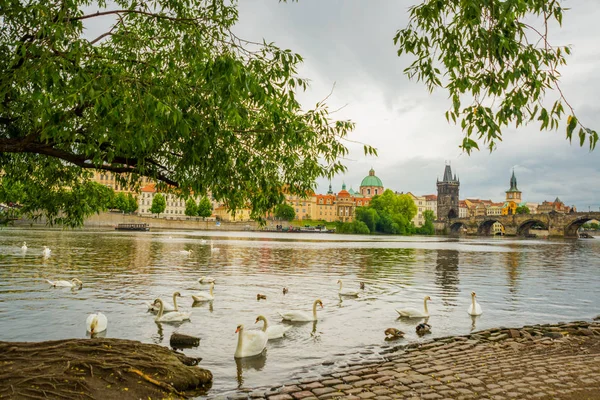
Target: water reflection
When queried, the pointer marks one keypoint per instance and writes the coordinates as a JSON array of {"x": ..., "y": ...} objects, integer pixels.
[
  {"x": 256, "y": 363},
  {"x": 474, "y": 319},
  {"x": 446, "y": 274}
]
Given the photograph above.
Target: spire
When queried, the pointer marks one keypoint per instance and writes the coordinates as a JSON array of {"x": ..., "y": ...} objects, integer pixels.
[
  {"x": 343, "y": 185},
  {"x": 330, "y": 191},
  {"x": 513, "y": 182},
  {"x": 371, "y": 172},
  {"x": 447, "y": 174}
]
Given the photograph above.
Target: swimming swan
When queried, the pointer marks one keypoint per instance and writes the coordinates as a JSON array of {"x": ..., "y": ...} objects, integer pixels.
[
  {"x": 413, "y": 312},
  {"x": 175, "y": 316},
  {"x": 250, "y": 343},
  {"x": 24, "y": 247},
  {"x": 214, "y": 249},
  {"x": 46, "y": 252},
  {"x": 346, "y": 292},
  {"x": 203, "y": 296},
  {"x": 166, "y": 306},
  {"x": 301, "y": 316},
  {"x": 273, "y": 331},
  {"x": 96, "y": 323},
  {"x": 474, "y": 308},
  {"x": 186, "y": 252},
  {"x": 72, "y": 283},
  {"x": 206, "y": 279}
]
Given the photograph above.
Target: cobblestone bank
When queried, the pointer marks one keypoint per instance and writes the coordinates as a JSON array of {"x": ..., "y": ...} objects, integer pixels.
[{"x": 559, "y": 361}]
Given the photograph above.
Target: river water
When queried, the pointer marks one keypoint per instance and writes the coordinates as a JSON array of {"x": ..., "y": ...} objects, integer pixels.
[{"x": 517, "y": 282}]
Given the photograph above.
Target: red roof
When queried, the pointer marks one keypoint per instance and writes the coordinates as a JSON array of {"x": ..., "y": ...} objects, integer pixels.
[
  {"x": 151, "y": 188},
  {"x": 430, "y": 197}
]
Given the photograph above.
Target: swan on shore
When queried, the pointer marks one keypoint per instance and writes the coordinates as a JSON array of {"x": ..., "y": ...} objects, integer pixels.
[
  {"x": 474, "y": 308},
  {"x": 175, "y": 316},
  {"x": 166, "y": 306},
  {"x": 346, "y": 292},
  {"x": 273, "y": 331},
  {"x": 96, "y": 323},
  {"x": 413, "y": 312},
  {"x": 72, "y": 283},
  {"x": 250, "y": 343},
  {"x": 301, "y": 316},
  {"x": 203, "y": 296}
]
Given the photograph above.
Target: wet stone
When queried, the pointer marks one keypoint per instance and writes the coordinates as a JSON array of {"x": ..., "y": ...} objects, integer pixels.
[
  {"x": 311, "y": 386},
  {"x": 302, "y": 395},
  {"x": 331, "y": 382},
  {"x": 323, "y": 390}
]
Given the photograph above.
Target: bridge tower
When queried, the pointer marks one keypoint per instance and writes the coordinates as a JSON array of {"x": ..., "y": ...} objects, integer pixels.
[{"x": 447, "y": 197}]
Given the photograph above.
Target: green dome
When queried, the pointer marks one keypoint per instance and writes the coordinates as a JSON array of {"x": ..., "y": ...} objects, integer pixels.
[{"x": 371, "y": 180}]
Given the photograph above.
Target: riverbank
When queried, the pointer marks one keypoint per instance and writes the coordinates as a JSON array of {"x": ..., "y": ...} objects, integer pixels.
[
  {"x": 560, "y": 361},
  {"x": 98, "y": 369}
]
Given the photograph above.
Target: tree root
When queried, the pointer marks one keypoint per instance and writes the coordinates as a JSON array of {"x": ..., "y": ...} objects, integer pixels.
[{"x": 97, "y": 369}]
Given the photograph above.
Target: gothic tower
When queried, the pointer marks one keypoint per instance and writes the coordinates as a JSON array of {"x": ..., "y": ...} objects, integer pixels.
[
  {"x": 513, "y": 194},
  {"x": 447, "y": 197}
]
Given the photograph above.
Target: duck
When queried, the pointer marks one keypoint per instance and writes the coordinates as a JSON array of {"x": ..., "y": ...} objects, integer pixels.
[
  {"x": 346, "y": 292},
  {"x": 261, "y": 296},
  {"x": 301, "y": 316},
  {"x": 96, "y": 323},
  {"x": 203, "y": 296},
  {"x": 206, "y": 279},
  {"x": 285, "y": 290},
  {"x": 474, "y": 308},
  {"x": 423, "y": 328},
  {"x": 250, "y": 343},
  {"x": 24, "y": 247},
  {"x": 46, "y": 252},
  {"x": 166, "y": 306},
  {"x": 362, "y": 285},
  {"x": 393, "y": 333},
  {"x": 175, "y": 316},
  {"x": 72, "y": 283},
  {"x": 273, "y": 331},
  {"x": 413, "y": 312}
]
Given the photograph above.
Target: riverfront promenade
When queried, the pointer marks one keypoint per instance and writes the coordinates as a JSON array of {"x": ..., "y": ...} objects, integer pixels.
[{"x": 544, "y": 362}]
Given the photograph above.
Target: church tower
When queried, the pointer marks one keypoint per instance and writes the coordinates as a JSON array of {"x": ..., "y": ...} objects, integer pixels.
[
  {"x": 447, "y": 195},
  {"x": 513, "y": 194}
]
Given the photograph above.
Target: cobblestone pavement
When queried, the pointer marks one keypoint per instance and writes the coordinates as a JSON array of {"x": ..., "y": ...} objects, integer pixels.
[{"x": 534, "y": 362}]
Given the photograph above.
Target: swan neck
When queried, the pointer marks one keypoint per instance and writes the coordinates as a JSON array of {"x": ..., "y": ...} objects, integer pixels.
[
  {"x": 473, "y": 301},
  {"x": 175, "y": 302},
  {"x": 240, "y": 343},
  {"x": 161, "y": 308},
  {"x": 425, "y": 306},
  {"x": 340, "y": 286},
  {"x": 212, "y": 285},
  {"x": 315, "y": 309},
  {"x": 265, "y": 325}
]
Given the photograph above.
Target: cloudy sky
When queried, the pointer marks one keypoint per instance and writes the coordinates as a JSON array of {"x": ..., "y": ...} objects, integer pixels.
[{"x": 348, "y": 43}]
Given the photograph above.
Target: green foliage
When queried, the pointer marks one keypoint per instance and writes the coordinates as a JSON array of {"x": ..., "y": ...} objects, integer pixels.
[
  {"x": 191, "y": 208},
  {"x": 352, "y": 227},
  {"x": 132, "y": 203},
  {"x": 121, "y": 202},
  {"x": 522, "y": 210},
  {"x": 592, "y": 226},
  {"x": 389, "y": 213},
  {"x": 168, "y": 92},
  {"x": 495, "y": 61},
  {"x": 427, "y": 228},
  {"x": 158, "y": 204},
  {"x": 205, "y": 208},
  {"x": 285, "y": 212}
]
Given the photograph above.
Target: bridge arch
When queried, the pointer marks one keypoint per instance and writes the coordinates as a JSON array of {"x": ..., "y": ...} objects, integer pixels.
[
  {"x": 524, "y": 227},
  {"x": 572, "y": 228},
  {"x": 486, "y": 227},
  {"x": 457, "y": 228}
]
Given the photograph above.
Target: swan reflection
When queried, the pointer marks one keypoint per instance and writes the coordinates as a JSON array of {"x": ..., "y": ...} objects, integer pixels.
[{"x": 256, "y": 363}]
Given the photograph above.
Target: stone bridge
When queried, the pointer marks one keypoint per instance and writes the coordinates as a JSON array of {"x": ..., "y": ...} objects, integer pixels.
[{"x": 557, "y": 224}]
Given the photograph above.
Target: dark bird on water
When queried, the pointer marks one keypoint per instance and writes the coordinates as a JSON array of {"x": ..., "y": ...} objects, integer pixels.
[{"x": 423, "y": 328}]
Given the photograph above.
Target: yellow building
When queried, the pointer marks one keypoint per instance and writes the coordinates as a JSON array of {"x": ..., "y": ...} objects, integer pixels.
[
  {"x": 108, "y": 179},
  {"x": 421, "y": 204},
  {"x": 222, "y": 213},
  {"x": 175, "y": 206},
  {"x": 305, "y": 207},
  {"x": 513, "y": 197}
]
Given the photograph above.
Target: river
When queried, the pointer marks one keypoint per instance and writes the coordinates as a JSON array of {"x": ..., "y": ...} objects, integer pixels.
[{"x": 517, "y": 282}]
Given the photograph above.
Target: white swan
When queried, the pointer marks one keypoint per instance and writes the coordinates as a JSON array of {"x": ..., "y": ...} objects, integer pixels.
[
  {"x": 46, "y": 252},
  {"x": 206, "y": 279},
  {"x": 203, "y": 296},
  {"x": 346, "y": 292},
  {"x": 72, "y": 283},
  {"x": 214, "y": 249},
  {"x": 202, "y": 241},
  {"x": 175, "y": 316},
  {"x": 301, "y": 316},
  {"x": 413, "y": 312},
  {"x": 166, "y": 306},
  {"x": 96, "y": 323},
  {"x": 24, "y": 247},
  {"x": 250, "y": 343},
  {"x": 273, "y": 331},
  {"x": 186, "y": 252},
  {"x": 474, "y": 308}
]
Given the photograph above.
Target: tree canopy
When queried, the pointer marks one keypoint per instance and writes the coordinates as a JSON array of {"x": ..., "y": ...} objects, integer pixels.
[
  {"x": 388, "y": 213},
  {"x": 191, "y": 208},
  {"x": 205, "y": 208},
  {"x": 495, "y": 60},
  {"x": 522, "y": 210},
  {"x": 285, "y": 212},
  {"x": 159, "y": 204},
  {"x": 167, "y": 91}
]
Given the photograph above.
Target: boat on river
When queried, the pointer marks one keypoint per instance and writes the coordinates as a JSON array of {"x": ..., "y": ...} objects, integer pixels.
[{"x": 133, "y": 227}]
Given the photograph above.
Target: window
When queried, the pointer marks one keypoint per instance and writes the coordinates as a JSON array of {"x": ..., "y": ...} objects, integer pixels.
[
  {"x": 376, "y": 191},
  {"x": 368, "y": 191}
]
